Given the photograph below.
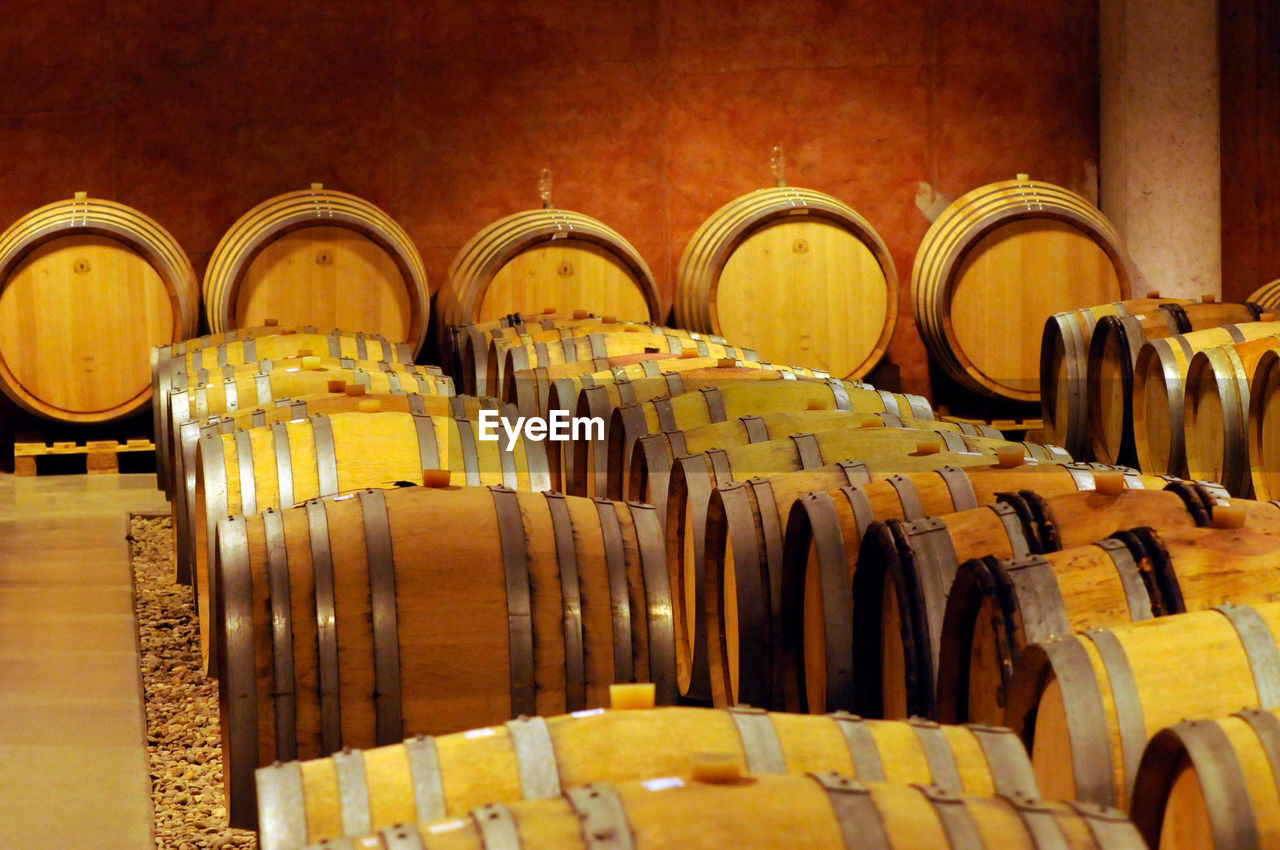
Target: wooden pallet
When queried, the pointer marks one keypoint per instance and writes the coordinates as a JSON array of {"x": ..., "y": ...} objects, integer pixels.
[{"x": 101, "y": 456}]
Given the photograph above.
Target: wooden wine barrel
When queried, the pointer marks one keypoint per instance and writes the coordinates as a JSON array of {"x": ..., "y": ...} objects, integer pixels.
[
  {"x": 823, "y": 811},
  {"x": 905, "y": 573},
  {"x": 286, "y": 410},
  {"x": 996, "y": 264},
  {"x": 879, "y": 450},
  {"x": 472, "y": 342},
  {"x": 319, "y": 257},
  {"x": 289, "y": 462},
  {"x": 1267, "y": 296},
  {"x": 521, "y": 263},
  {"x": 1087, "y": 704},
  {"x": 1264, "y": 427},
  {"x": 630, "y": 422},
  {"x": 438, "y": 609},
  {"x": 183, "y": 370},
  {"x": 1216, "y": 414},
  {"x": 302, "y": 802},
  {"x": 1064, "y": 369},
  {"x": 87, "y": 288},
  {"x": 797, "y": 275},
  {"x": 997, "y": 607},
  {"x": 1158, "y": 380},
  {"x": 1113, "y": 353},
  {"x": 1210, "y": 783}
]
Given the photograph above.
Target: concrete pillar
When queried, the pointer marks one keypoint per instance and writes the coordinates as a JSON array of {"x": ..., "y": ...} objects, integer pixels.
[{"x": 1159, "y": 170}]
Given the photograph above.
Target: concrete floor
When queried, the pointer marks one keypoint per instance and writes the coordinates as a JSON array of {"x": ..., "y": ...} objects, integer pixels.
[{"x": 73, "y": 759}]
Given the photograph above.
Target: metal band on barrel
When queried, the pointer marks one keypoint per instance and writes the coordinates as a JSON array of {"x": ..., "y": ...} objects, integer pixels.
[
  {"x": 657, "y": 594},
  {"x": 282, "y": 689},
  {"x": 515, "y": 563},
  {"x": 1135, "y": 591},
  {"x": 326, "y": 628},
  {"x": 282, "y": 813},
  {"x": 248, "y": 490},
  {"x": 535, "y": 758},
  {"x": 937, "y": 752},
  {"x": 619, "y": 594},
  {"x": 760, "y": 742},
  {"x": 1011, "y": 771},
  {"x": 908, "y": 497},
  {"x": 715, "y": 404},
  {"x": 497, "y": 827},
  {"x": 808, "y": 451},
  {"x": 575, "y": 685},
  {"x": 666, "y": 416},
  {"x": 284, "y": 463},
  {"x": 855, "y": 811},
  {"x": 326, "y": 455},
  {"x": 1260, "y": 648},
  {"x": 957, "y": 823},
  {"x": 428, "y": 782},
  {"x": 755, "y": 428},
  {"x": 428, "y": 449},
  {"x": 470, "y": 455},
  {"x": 388, "y": 712},
  {"x": 963, "y": 497},
  {"x": 863, "y": 750},
  {"x": 603, "y": 817},
  {"x": 353, "y": 792}
]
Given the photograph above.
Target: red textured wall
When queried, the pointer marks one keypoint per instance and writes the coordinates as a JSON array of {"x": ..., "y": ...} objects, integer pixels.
[{"x": 651, "y": 113}]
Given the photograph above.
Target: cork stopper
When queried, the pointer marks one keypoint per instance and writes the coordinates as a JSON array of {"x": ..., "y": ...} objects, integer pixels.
[
  {"x": 1227, "y": 516},
  {"x": 631, "y": 696},
  {"x": 368, "y": 405},
  {"x": 338, "y": 386},
  {"x": 928, "y": 447},
  {"x": 354, "y": 389},
  {"x": 688, "y": 353},
  {"x": 715, "y": 768},
  {"x": 1007, "y": 457},
  {"x": 581, "y": 314},
  {"x": 1110, "y": 481},
  {"x": 310, "y": 361},
  {"x": 872, "y": 422},
  {"x": 436, "y": 478}
]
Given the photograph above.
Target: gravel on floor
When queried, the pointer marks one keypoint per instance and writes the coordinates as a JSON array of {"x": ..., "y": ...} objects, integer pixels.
[{"x": 183, "y": 743}]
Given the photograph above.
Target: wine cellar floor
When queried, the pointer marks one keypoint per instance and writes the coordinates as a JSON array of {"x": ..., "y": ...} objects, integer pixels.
[{"x": 73, "y": 757}]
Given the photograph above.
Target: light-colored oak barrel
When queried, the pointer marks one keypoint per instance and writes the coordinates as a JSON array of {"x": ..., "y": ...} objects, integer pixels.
[
  {"x": 438, "y": 609},
  {"x": 1216, "y": 413},
  {"x": 797, "y": 275},
  {"x": 905, "y": 572},
  {"x": 630, "y": 422},
  {"x": 526, "y": 261},
  {"x": 1064, "y": 369},
  {"x": 1267, "y": 296},
  {"x": 1264, "y": 426},
  {"x": 473, "y": 342},
  {"x": 822, "y": 811},
  {"x": 997, "y": 607},
  {"x": 1159, "y": 376},
  {"x": 1000, "y": 261},
  {"x": 1087, "y": 704},
  {"x": 87, "y": 288},
  {"x": 180, "y": 371},
  {"x": 1113, "y": 352},
  {"x": 302, "y": 802},
  {"x": 319, "y": 257},
  {"x": 843, "y": 457},
  {"x": 287, "y": 463},
  {"x": 822, "y": 536},
  {"x": 1210, "y": 783},
  {"x": 286, "y": 410}
]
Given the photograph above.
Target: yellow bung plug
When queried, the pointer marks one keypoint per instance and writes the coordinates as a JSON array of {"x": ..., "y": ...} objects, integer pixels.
[
  {"x": 436, "y": 477},
  {"x": 1007, "y": 457},
  {"x": 1231, "y": 515},
  {"x": 726, "y": 363},
  {"x": 688, "y": 353},
  {"x": 715, "y": 768},
  {"x": 337, "y": 386},
  {"x": 368, "y": 405},
  {"x": 581, "y": 314},
  {"x": 311, "y": 362},
  {"x": 1110, "y": 481},
  {"x": 872, "y": 422},
  {"x": 928, "y": 447},
  {"x": 628, "y": 696},
  {"x": 354, "y": 389}
]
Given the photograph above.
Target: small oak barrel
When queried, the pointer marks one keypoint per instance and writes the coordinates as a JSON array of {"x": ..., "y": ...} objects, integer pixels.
[
  {"x": 1087, "y": 704},
  {"x": 1064, "y": 369},
  {"x": 87, "y": 288},
  {"x": 524, "y": 262},
  {"x": 302, "y": 802},
  {"x": 817, "y": 811},
  {"x": 1216, "y": 414},
  {"x": 1113, "y": 352},
  {"x": 795, "y": 274},
  {"x": 1267, "y": 296},
  {"x": 437, "y": 609},
  {"x": 996, "y": 264},
  {"x": 319, "y": 257},
  {"x": 1210, "y": 783},
  {"x": 1159, "y": 375}
]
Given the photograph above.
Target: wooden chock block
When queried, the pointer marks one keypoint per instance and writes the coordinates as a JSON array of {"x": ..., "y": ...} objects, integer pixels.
[
  {"x": 629, "y": 696},
  {"x": 101, "y": 457},
  {"x": 24, "y": 466}
]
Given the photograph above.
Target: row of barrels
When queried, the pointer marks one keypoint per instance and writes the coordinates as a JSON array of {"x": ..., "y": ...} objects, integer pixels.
[
  {"x": 1171, "y": 387},
  {"x": 793, "y": 274}
]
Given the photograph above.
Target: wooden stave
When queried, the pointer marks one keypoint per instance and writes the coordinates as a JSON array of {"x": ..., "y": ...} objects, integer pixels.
[
  {"x": 1226, "y": 372},
  {"x": 1114, "y": 338},
  {"x": 1072, "y": 331},
  {"x": 1267, "y": 296},
  {"x": 965, "y": 222},
  {"x": 317, "y": 206},
  {"x": 984, "y": 763},
  {"x": 1164, "y": 363},
  {"x": 283, "y": 410},
  {"x": 709, "y": 249},
  {"x": 487, "y": 251},
  {"x": 1099, "y": 770},
  {"x": 243, "y": 693},
  {"x": 219, "y": 490},
  {"x": 120, "y": 222},
  {"x": 824, "y": 811}
]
